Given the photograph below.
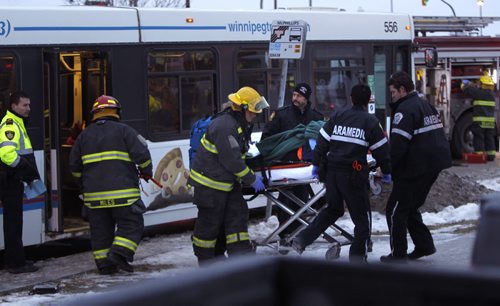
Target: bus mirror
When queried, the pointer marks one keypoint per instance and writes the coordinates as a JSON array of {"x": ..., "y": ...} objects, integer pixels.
[{"x": 431, "y": 58}]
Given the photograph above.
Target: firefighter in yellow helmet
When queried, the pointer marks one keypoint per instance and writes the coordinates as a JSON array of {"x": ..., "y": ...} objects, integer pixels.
[
  {"x": 217, "y": 174},
  {"x": 106, "y": 159},
  {"x": 483, "y": 116}
]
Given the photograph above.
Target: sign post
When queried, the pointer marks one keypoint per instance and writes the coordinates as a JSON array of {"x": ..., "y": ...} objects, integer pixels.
[{"x": 288, "y": 40}]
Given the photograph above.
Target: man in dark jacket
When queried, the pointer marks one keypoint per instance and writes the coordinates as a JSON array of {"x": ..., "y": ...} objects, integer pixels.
[
  {"x": 344, "y": 142},
  {"x": 217, "y": 173},
  {"x": 284, "y": 119},
  {"x": 419, "y": 151},
  {"x": 483, "y": 119},
  {"x": 107, "y": 158}
]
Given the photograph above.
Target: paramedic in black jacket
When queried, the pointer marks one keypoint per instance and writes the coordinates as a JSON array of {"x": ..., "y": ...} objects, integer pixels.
[
  {"x": 284, "y": 119},
  {"x": 344, "y": 142},
  {"x": 419, "y": 151}
]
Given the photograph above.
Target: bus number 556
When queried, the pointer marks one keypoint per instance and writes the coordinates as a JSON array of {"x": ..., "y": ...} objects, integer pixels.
[{"x": 390, "y": 26}]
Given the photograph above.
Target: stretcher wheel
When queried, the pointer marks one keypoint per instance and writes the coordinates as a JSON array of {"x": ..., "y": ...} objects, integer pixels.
[{"x": 333, "y": 252}]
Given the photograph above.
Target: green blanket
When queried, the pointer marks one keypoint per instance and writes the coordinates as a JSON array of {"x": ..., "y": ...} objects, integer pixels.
[{"x": 276, "y": 146}]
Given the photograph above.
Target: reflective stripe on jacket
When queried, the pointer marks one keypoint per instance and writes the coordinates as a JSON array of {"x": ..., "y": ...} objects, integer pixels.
[
  {"x": 348, "y": 136},
  {"x": 105, "y": 158},
  {"x": 219, "y": 162},
  {"x": 14, "y": 140},
  {"x": 484, "y": 106}
]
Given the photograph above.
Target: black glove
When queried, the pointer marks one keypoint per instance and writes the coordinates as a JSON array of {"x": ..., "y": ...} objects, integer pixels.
[
  {"x": 25, "y": 171},
  {"x": 144, "y": 175}
]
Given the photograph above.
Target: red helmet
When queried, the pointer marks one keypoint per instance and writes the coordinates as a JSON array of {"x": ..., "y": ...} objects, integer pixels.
[{"x": 105, "y": 102}]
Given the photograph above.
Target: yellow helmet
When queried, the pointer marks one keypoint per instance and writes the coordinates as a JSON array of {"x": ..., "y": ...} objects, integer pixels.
[
  {"x": 486, "y": 79},
  {"x": 248, "y": 98}
]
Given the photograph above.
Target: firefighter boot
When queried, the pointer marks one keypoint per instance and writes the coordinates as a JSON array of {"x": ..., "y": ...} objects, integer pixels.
[{"x": 120, "y": 262}]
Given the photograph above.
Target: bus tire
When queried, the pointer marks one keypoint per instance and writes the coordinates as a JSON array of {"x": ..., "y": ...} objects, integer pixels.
[{"x": 462, "y": 140}]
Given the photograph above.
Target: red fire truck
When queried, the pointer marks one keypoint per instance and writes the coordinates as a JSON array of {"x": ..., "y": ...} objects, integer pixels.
[{"x": 459, "y": 58}]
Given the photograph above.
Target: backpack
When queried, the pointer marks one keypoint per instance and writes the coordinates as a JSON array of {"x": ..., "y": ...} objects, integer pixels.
[{"x": 197, "y": 131}]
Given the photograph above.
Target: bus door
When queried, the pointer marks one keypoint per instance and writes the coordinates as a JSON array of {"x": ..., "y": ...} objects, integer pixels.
[{"x": 73, "y": 79}]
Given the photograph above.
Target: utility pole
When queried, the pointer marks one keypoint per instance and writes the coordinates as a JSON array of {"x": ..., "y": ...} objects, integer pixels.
[{"x": 480, "y": 3}]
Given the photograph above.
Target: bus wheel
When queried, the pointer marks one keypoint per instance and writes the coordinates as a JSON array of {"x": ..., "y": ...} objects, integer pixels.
[{"x": 461, "y": 141}]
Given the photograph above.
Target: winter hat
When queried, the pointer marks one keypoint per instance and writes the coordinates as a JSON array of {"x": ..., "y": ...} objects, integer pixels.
[{"x": 303, "y": 89}]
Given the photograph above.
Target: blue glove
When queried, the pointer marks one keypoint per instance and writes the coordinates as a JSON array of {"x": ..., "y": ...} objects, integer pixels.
[
  {"x": 315, "y": 172},
  {"x": 465, "y": 82},
  {"x": 386, "y": 178},
  {"x": 258, "y": 185}
]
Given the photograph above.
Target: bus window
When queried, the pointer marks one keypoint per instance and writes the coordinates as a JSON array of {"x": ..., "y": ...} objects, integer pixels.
[
  {"x": 163, "y": 104},
  {"x": 255, "y": 69},
  {"x": 336, "y": 69},
  {"x": 7, "y": 80},
  {"x": 180, "y": 90}
]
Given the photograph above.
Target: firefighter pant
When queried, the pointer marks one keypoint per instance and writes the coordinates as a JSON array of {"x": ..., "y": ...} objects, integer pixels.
[
  {"x": 484, "y": 140},
  {"x": 129, "y": 224},
  {"x": 339, "y": 188},
  {"x": 220, "y": 214},
  {"x": 11, "y": 195},
  {"x": 407, "y": 196}
]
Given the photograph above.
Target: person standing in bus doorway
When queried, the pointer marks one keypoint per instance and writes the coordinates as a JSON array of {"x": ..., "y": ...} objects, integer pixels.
[
  {"x": 483, "y": 118},
  {"x": 419, "y": 151},
  {"x": 18, "y": 166},
  {"x": 107, "y": 158},
  {"x": 216, "y": 173},
  {"x": 347, "y": 171},
  {"x": 283, "y": 119}
]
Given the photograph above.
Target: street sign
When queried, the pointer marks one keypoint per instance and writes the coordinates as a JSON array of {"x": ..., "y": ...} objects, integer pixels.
[{"x": 288, "y": 39}]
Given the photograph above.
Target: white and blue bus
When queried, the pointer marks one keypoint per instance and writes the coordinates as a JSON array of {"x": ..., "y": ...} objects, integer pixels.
[{"x": 168, "y": 68}]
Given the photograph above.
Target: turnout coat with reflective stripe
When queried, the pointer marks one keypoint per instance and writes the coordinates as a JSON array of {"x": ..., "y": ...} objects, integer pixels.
[
  {"x": 219, "y": 162},
  {"x": 348, "y": 136},
  {"x": 418, "y": 142},
  {"x": 105, "y": 158},
  {"x": 484, "y": 106}
]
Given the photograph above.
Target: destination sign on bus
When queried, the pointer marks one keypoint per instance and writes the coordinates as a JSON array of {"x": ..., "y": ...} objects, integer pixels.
[{"x": 288, "y": 39}]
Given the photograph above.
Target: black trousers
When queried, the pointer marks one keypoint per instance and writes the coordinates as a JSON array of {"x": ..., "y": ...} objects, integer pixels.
[
  {"x": 402, "y": 214},
  {"x": 301, "y": 192},
  {"x": 129, "y": 224},
  {"x": 484, "y": 140},
  {"x": 341, "y": 187},
  {"x": 221, "y": 215},
  {"x": 11, "y": 194}
]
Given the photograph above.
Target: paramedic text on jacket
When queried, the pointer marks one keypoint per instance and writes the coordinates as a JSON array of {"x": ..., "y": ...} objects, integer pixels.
[
  {"x": 344, "y": 142},
  {"x": 217, "y": 173},
  {"x": 419, "y": 151},
  {"x": 17, "y": 166},
  {"x": 106, "y": 159}
]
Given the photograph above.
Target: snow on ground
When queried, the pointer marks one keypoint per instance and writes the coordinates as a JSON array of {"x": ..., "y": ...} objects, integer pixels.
[{"x": 448, "y": 227}]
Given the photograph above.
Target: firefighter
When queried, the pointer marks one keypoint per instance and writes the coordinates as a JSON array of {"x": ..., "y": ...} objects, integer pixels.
[
  {"x": 419, "y": 151},
  {"x": 18, "y": 166},
  {"x": 283, "y": 119},
  {"x": 343, "y": 143},
  {"x": 483, "y": 118},
  {"x": 107, "y": 158},
  {"x": 217, "y": 171}
]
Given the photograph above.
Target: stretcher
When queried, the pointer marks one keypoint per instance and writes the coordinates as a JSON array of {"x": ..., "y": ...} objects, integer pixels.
[{"x": 279, "y": 179}]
